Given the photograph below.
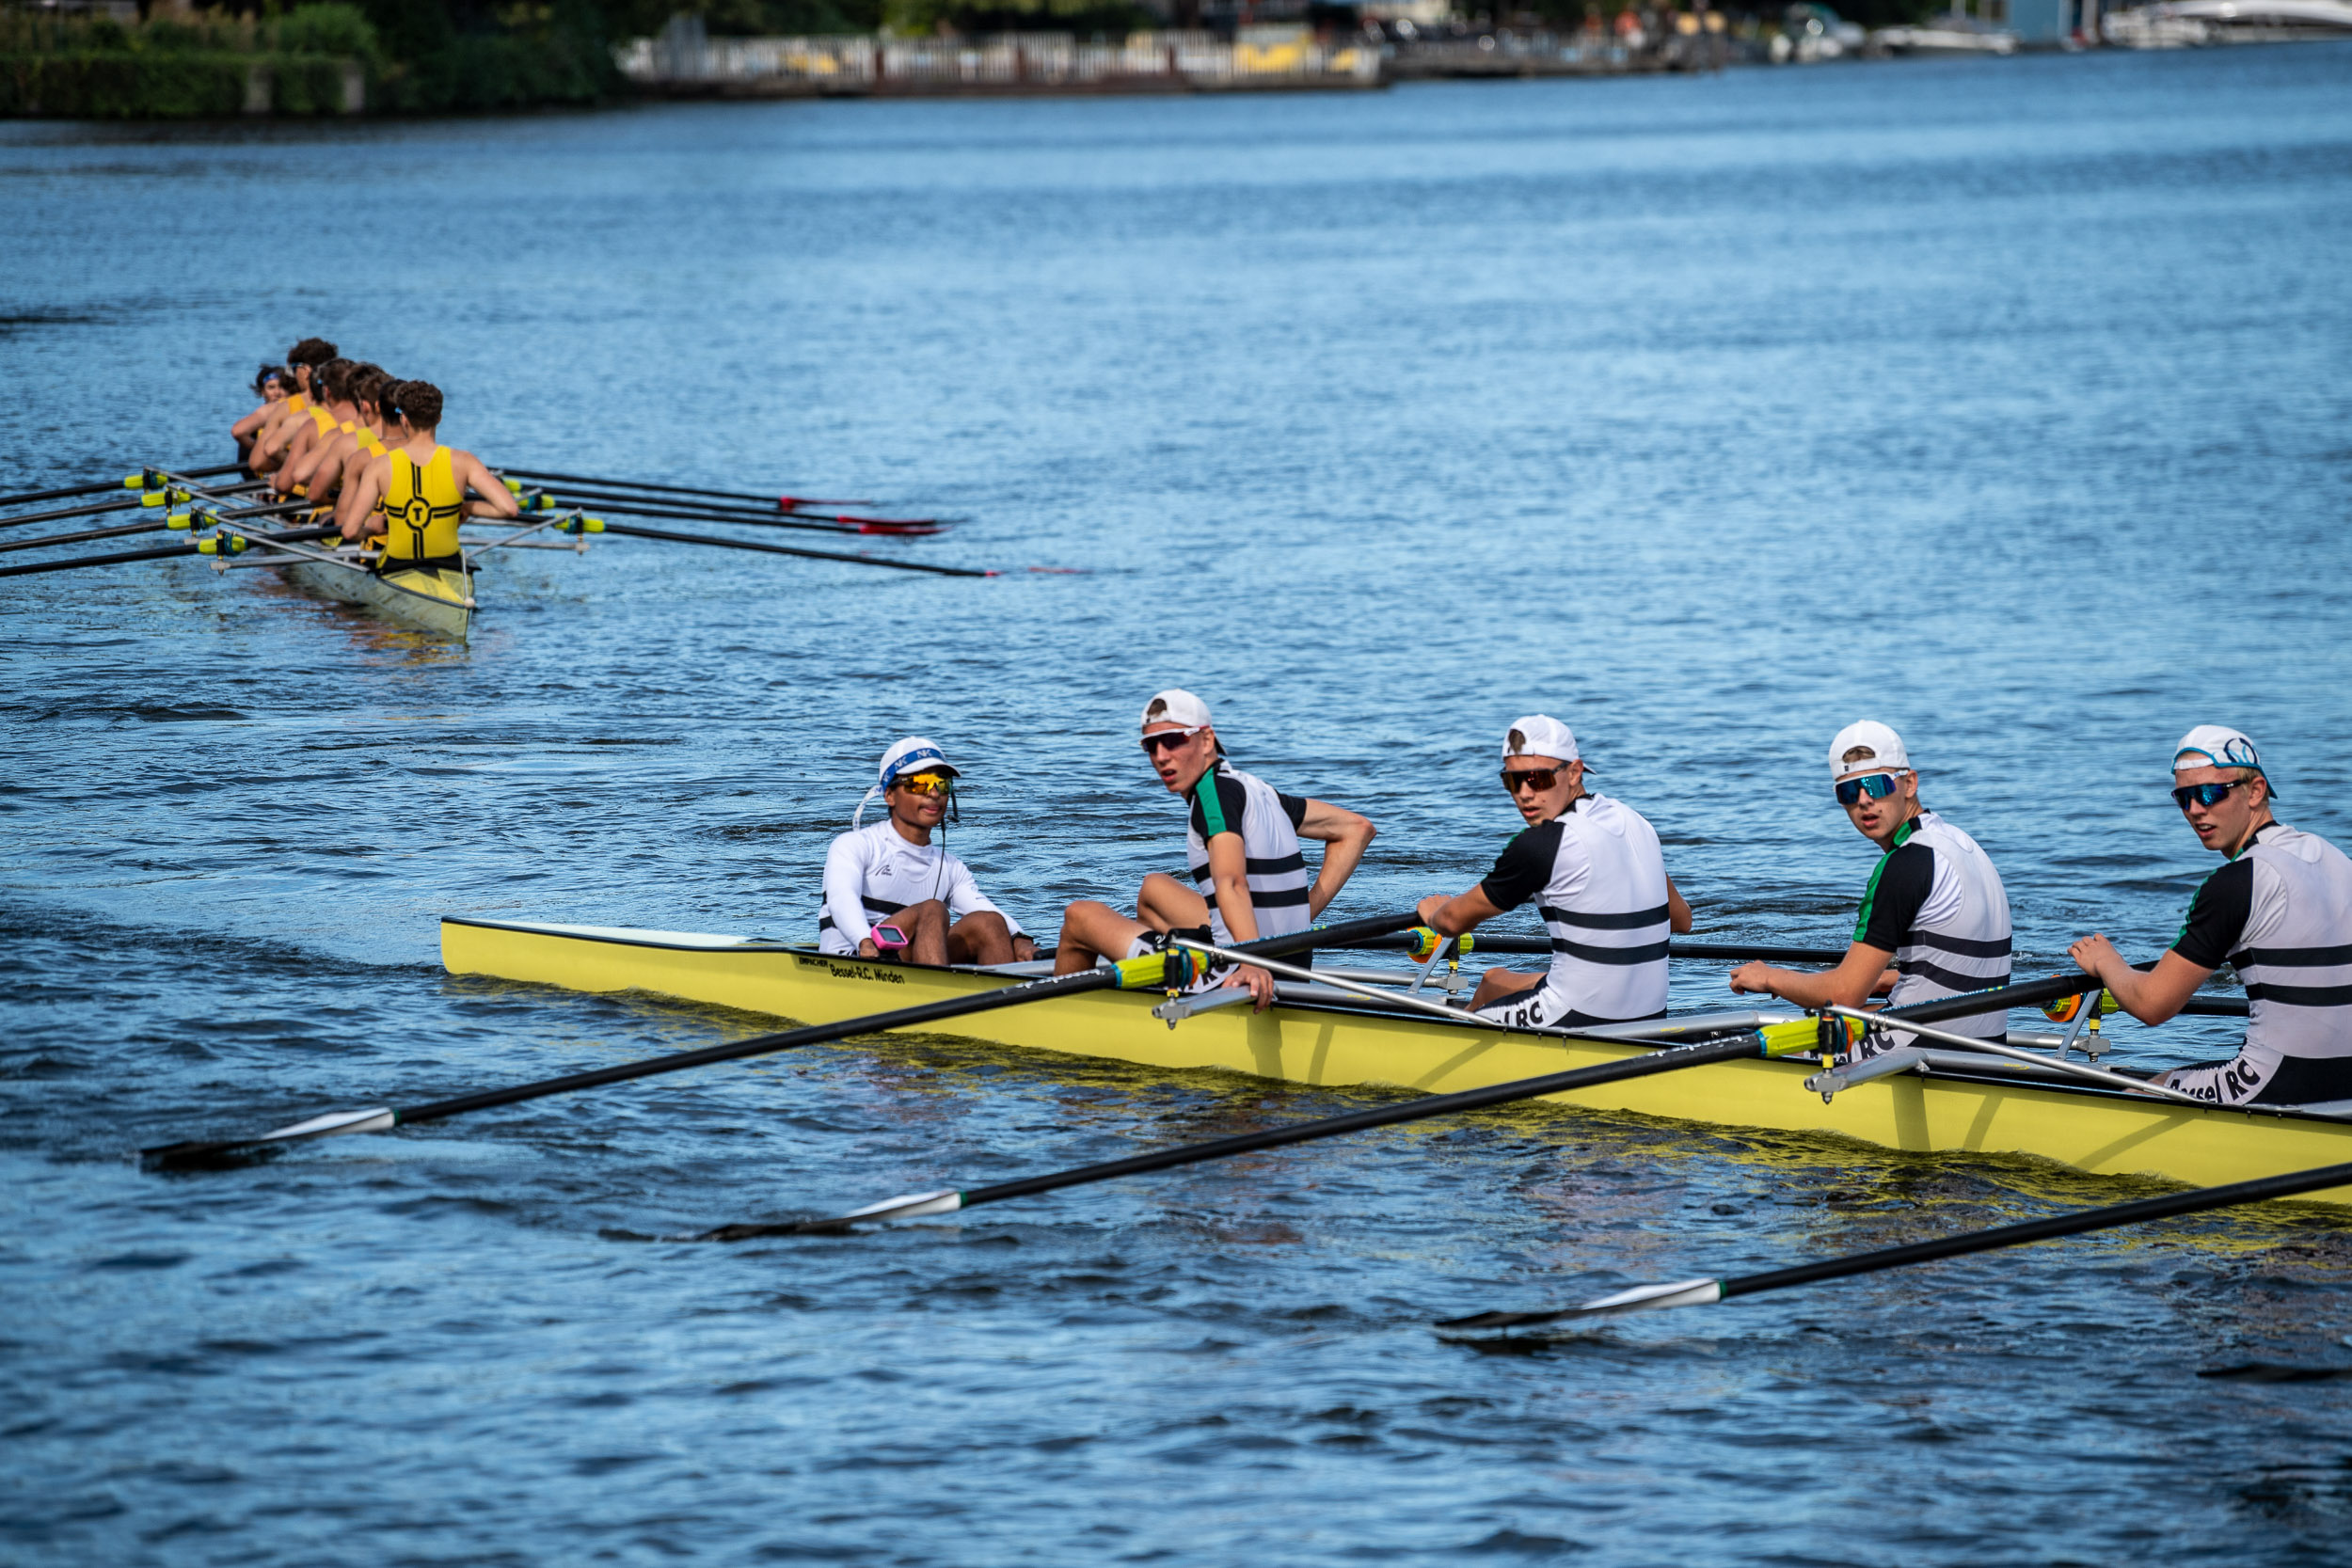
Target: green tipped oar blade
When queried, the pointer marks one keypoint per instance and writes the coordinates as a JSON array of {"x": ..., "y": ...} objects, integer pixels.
[
  {"x": 1145, "y": 973},
  {"x": 1702, "y": 1292},
  {"x": 788, "y": 550}
]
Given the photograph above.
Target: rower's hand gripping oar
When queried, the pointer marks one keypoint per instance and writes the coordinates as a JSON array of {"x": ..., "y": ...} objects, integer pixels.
[
  {"x": 1705, "y": 1293},
  {"x": 1802, "y": 1037},
  {"x": 1170, "y": 971}
]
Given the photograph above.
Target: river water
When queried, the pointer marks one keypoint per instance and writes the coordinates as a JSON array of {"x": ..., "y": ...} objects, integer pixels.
[{"x": 2006, "y": 403}]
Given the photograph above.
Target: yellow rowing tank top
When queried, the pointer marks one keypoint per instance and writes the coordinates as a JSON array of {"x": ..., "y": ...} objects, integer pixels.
[
  {"x": 297, "y": 403},
  {"x": 320, "y": 417},
  {"x": 421, "y": 506}
]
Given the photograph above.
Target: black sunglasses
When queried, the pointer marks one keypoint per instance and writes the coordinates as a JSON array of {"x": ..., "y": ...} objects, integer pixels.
[
  {"x": 2205, "y": 794},
  {"x": 1536, "y": 779}
]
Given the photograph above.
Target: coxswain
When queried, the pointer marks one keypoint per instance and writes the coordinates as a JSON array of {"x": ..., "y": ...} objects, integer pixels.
[
  {"x": 1934, "y": 918},
  {"x": 1599, "y": 878},
  {"x": 2277, "y": 910},
  {"x": 891, "y": 892},
  {"x": 278, "y": 425},
  {"x": 414, "y": 496},
  {"x": 1242, "y": 844}
]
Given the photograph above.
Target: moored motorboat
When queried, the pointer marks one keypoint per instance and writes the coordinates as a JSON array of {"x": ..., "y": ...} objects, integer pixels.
[{"x": 1942, "y": 1101}]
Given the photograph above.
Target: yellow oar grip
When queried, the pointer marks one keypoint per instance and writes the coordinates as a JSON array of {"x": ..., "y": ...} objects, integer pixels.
[{"x": 1425, "y": 942}]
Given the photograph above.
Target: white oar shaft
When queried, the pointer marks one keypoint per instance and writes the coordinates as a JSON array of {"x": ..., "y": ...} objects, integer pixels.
[
  {"x": 1969, "y": 1042},
  {"x": 1386, "y": 998}
]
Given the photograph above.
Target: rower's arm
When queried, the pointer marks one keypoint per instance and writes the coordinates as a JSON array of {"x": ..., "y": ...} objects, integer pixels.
[
  {"x": 496, "y": 499},
  {"x": 1229, "y": 873},
  {"x": 1344, "y": 837},
  {"x": 244, "y": 429},
  {"x": 1451, "y": 917},
  {"x": 2152, "y": 996},
  {"x": 358, "y": 501},
  {"x": 1677, "y": 912},
  {"x": 1849, "y": 985}
]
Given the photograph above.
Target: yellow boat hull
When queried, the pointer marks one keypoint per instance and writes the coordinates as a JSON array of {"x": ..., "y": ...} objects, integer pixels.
[{"x": 2090, "y": 1129}]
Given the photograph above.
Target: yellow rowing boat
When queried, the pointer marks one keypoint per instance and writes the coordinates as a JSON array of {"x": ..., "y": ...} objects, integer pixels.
[{"x": 1948, "y": 1103}]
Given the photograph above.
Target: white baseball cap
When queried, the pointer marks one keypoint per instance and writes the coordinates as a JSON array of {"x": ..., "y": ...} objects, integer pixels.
[
  {"x": 2218, "y": 746},
  {"x": 1886, "y": 749},
  {"x": 916, "y": 753},
  {"x": 1539, "y": 735},
  {"x": 1176, "y": 706}
]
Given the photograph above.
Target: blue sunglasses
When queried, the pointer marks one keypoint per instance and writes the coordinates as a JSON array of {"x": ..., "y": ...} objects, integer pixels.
[
  {"x": 1878, "y": 786},
  {"x": 2205, "y": 794}
]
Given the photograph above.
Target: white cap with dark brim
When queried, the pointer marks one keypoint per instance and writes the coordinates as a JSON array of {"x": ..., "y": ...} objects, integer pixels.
[
  {"x": 1882, "y": 750},
  {"x": 1176, "y": 706},
  {"x": 1539, "y": 735}
]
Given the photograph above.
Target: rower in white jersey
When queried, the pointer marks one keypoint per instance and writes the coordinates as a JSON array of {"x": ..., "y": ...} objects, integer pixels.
[
  {"x": 1935, "y": 917},
  {"x": 1598, "y": 877},
  {"x": 1242, "y": 844},
  {"x": 891, "y": 892},
  {"x": 2278, "y": 911}
]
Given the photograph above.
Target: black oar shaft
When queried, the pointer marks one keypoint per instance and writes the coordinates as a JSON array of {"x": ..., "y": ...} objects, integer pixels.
[
  {"x": 68, "y": 493},
  {"x": 58, "y": 515},
  {"x": 671, "y": 489},
  {"x": 934, "y": 1012},
  {"x": 159, "y": 552},
  {"x": 1670, "y": 1060},
  {"x": 635, "y": 532},
  {"x": 84, "y": 537},
  {"x": 762, "y": 1045},
  {"x": 2171, "y": 1204},
  {"x": 751, "y": 519}
]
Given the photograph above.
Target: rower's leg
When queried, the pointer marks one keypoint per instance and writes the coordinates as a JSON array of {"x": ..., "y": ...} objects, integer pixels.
[
  {"x": 1496, "y": 984},
  {"x": 1090, "y": 930},
  {"x": 980, "y": 938},
  {"x": 1165, "y": 903},
  {"x": 926, "y": 926}
]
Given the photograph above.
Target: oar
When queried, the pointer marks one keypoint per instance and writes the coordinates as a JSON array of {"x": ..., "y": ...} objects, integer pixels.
[
  {"x": 176, "y": 520},
  {"x": 785, "y": 502},
  {"x": 140, "y": 481},
  {"x": 1786, "y": 1039},
  {"x": 1702, "y": 1292},
  {"x": 1151, "y": 971},
  {"x": 808, "y": 521},
  {"x": 194, "y": 546},
  {"x": 787, "y": 549}
]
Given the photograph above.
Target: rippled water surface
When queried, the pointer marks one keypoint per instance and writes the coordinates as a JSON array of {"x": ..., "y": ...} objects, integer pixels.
[{"x": 2004, "y": 403}]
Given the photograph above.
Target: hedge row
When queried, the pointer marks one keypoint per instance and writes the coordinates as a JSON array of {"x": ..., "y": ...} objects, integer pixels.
[{"x": 165, "y": 84}]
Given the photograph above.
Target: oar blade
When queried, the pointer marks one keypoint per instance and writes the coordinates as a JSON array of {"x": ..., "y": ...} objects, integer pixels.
[
  {"x": 211, "y": 1153},
  {"x": 1641, "y": 1298}
]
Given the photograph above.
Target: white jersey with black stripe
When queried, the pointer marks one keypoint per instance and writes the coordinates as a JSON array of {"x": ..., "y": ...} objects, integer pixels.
[
  {"x": 2280, "y": 914},
  {"x": 1599, "y": 879},
  {"x": 871, "y": 873},
  {"x": 1226, "y": 801},
  {"x": 1935, "y": 903}
]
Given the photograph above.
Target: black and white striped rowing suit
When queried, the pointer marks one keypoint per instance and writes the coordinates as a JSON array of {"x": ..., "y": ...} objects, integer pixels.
[
  {"x": 2280, "y": 914},
  {"x": 1226, "y": 801},
  {"x": 872, "y": 873},
  {"x": 1599, "y": 881},
  {"x": 1935, "y": 902}
]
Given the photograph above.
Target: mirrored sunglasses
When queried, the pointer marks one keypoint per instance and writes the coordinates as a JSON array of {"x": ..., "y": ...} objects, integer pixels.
[
  {"x": 924, "y": 784},
  {"x": 1536, "y": 779},
  {"x": 1878, "y": 786},
  {"x": 1169, "y": 740},
  {"x": 2205, "y": 794}
]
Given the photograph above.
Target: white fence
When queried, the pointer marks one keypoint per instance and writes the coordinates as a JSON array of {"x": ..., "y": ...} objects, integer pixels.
[{"x": 683, "y": 58}]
